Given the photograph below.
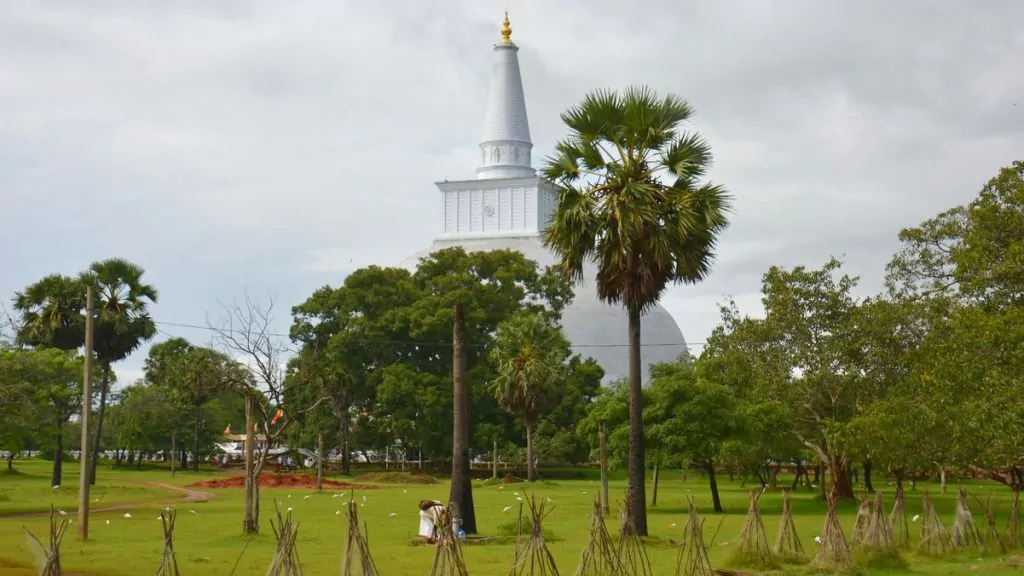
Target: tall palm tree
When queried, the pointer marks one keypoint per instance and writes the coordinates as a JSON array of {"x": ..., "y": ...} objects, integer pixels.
[
  {"x": 50, "y": 313},
  {"x": 632, "y": 201},
  {"x": 529, "y": 359},
  {"x": 122, "y": 323}
]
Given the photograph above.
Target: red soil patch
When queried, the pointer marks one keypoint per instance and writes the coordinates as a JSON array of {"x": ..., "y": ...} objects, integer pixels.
[{"x": 278, "y": 481}]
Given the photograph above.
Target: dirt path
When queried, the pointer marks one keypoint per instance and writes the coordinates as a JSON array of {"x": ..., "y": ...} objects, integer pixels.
[{"x": 189, "y": 496}]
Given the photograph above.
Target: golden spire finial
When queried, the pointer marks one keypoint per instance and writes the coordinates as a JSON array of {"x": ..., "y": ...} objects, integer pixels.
[{"x": 506, "y": 30}]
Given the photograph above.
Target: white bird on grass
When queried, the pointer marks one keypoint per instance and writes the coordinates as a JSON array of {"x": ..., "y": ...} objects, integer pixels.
[
  {"x": 817, "y": 539},
  {"x": 62, "y": 513},
  {"x": 307, "y": 496},
  {"x": 55, "y": 487},
  {"x": 108, "y": 522},
  {"x": 337, "y": 513},
  {"x": 364, "y": 499},
  {"x": 335, "y": 495},
  {"x": 289, "y": 495},
  {"x": 193, "y": 512},
  {"x": 405, "y": 491},
  {"x": 914, "y": 519},
  {"x": 392, "y": 514},
  {"x": 672, "y": 525},
  {"x": 127, "y": 515},
  {"x": 506, "y": 508}
]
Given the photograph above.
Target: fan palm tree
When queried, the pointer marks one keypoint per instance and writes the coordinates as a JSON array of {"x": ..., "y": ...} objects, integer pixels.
[
  {"x": 529, "y": 359},
  {"x": 122, "y": 323},
  {"x": 50, "y": 313},
  {"x": 632, "y": 201}
]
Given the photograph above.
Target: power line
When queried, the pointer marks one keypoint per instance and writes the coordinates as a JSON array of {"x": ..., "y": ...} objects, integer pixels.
[{"x": 416, "y": 342}]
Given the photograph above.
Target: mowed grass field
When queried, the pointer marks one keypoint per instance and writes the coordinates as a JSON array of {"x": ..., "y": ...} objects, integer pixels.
[{"x": 209, "y": 541}]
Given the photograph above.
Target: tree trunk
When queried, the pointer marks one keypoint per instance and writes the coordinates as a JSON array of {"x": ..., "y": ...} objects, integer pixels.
[
  {"x": 184, "y": 459},
  {"x": 250, "y": 517},
  {"x": 462, "y": 485},
  {"x": 799, "y": 471},
  {"x": 603, "y": 435},
  {"x": 319, "y": 462},
  {"x": 713, "y": 483},
  {"x": 97, "y": 440},
  {"x": 637, "y": 470},
  {"x": 840, "y": 473},
  {"x": 942, "y": 480},
  {"x": 131, "y": 457},
  {"x": 773, "y": 476},
  {"x": 495, "y": 461},
  {"x": 10, "y": 460},
  {"x": 817, "y": 474},
  {"x": 171, "y": 459},
  {"x": 195, "y": 448},
  {"x": 58, "y": 455},
  {"x": 867, "y": 476},
  {"x": 654, "y": 487},
  {"x": 341, "y": 413},
  {"x": 531, "y": 469}
]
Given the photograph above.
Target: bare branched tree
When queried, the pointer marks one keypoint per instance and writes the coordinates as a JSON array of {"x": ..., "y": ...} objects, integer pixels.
[
  {"x": 8, "y": 326},
  {"x": 245, "y": 332}
]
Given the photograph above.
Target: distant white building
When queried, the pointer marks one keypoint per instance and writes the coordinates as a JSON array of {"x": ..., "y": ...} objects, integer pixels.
[{"x": 508, "y": 205}]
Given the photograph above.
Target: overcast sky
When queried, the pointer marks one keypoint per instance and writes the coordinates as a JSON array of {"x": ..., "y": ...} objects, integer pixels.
[{"x": 233, "y": 145}]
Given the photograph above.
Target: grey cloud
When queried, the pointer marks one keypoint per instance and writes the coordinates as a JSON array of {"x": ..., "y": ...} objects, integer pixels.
[{"x": 276, "y": 146}]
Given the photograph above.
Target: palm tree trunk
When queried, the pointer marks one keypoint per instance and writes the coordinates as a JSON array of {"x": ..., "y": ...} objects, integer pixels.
[
  {"x": 58, "y": 455},
  {"x": 462, "y": 485},
  {"x": 104, "y": 387},
  {"x": 531, "y": 471},
  {"x": 637, "y": 470}
]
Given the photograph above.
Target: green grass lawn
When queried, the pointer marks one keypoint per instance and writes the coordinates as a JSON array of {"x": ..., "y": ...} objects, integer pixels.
[{"x": 209, "y": 541}]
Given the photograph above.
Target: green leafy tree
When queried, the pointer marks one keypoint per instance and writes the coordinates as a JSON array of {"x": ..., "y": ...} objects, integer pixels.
[
  {"x": 631, "y": 198},
  {"x": 123, "y": 323},
  {"x": 48, "y": 382},
  {"x": 557, "y": 437},
  {"x": 199, "y": 375},
  {"x": 691, "y": 417},
  {"x": 529, "y": 360}
]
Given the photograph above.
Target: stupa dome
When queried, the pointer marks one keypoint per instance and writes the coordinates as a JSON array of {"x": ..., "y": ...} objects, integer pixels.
[{"x": 508, "y": 205}]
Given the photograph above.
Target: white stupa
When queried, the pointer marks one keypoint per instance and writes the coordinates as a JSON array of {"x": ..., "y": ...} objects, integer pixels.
[{"x": 508, "y": 205}]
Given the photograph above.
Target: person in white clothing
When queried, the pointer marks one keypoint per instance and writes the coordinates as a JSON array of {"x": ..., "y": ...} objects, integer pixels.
[{"x": 429, "y": 510}]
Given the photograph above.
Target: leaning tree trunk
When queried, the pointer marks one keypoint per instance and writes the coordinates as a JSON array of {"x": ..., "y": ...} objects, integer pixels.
[
  {"x": 654, "y": 487},
  {"x": 462, "y": 484},
  {"x": 716, "y": 501},
  {"x": 58, "y": 455},
  {"x": 637, "y": 471},
  {"x": 531, "y": 470},
  {"x": 97, "y": 440}
]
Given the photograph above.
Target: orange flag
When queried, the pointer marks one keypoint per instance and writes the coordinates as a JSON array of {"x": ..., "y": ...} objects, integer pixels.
[{"x": 277, "y": 416}]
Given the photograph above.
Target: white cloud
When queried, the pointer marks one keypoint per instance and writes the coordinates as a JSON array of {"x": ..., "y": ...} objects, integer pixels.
[{"x": 275, "y": 146}]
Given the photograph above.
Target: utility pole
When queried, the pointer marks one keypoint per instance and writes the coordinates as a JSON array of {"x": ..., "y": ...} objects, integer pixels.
[{"x": 83, "y": 479}]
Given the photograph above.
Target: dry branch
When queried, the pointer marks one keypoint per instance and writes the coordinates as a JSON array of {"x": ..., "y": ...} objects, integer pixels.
[
  {"x": 532, "y": 556},
  {"x": 599, "y": 557},
  {"x": 448, "y": 560},
  {"x": 833, "y": 553},
  {"x": 898, "y": 520},
  {"x": 286, "y": 556},
  {"x": 860, "y": 524},
  {"x": 934, "y": 536},
  {"x": 631, "y": 552},
  {"x": 357, "y": 561},
  {"x": 169, "y": 563},
  {"x": 753, "y": 548},
  {"x": 991, "y": 539},
  {"x": 1012, "y": 531},
  {"x": 787, "y": 543},
  {"x": 692, "y": 559},
  {"x": 878, "y": 539},
  {"x": 965, "y": 533},
  {"x": 48, "y": 558}
]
